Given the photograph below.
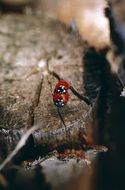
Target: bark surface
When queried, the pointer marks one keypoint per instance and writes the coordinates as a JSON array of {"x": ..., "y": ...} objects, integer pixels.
[{"x": 31, "y": 47}]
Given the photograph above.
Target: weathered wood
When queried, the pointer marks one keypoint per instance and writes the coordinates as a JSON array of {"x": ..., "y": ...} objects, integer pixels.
[
  {"x": 26, "y": 44},
  {"x": 29, "y": 45}
]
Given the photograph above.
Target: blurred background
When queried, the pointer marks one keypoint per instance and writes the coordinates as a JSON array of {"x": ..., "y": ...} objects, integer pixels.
[{"x": 82, "y": 15}]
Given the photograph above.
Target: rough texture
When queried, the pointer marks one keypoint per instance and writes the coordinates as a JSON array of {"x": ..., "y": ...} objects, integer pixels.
[
  {"x": 30, "y": 46},
  {"x": 26, "y": 43}
]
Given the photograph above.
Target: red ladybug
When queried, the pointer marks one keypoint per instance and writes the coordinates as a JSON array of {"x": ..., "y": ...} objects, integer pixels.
[
  {"x": 60, "y": 99},
  {"x": 61, "y": 95},
  {"x": 62, "y": 87}
]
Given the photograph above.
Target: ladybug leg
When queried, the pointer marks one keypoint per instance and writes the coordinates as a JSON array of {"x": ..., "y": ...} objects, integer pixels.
[
  {"x": 61, "y": 118},
  {"x": 84, "y": 98}
]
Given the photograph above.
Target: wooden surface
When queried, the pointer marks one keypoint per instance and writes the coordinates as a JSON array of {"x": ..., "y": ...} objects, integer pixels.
[
  {"x": 27, "y": 42},
  {"x": 30, "y": 47}
]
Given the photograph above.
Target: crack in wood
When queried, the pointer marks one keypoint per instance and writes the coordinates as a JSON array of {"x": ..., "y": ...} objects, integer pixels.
[{"x": 35, "y": 103}]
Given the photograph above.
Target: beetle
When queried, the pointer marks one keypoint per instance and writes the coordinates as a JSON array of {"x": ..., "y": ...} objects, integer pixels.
[
  {"x": 60, "y": 99},
  {"x": 62, "y": 87},
  {"x": 61, "y": 94}
]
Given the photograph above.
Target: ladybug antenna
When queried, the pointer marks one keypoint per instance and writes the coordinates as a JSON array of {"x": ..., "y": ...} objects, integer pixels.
[
  {"x": 84, "y": 98},
  {"x": 61, "y": 118}
]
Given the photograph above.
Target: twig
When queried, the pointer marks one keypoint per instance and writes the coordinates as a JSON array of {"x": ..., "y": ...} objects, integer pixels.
[
  {"x": 20, "y": 144},
  {"x": 61, "y": 117}
]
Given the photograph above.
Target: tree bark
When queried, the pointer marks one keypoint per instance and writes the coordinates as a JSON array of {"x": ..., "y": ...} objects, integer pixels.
[{"x": 31, "y": 47}]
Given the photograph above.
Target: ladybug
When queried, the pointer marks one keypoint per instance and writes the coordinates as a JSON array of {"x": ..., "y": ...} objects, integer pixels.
[
  {"x": 61, "y": 87},
  {"x": 61, "y": 94},
  {"x": 60, "y": 99}
]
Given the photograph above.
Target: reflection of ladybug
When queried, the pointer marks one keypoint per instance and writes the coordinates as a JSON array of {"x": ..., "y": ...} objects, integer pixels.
[
  {"x": 60, "y": 99},
  {"x": 61, "y": 87}
]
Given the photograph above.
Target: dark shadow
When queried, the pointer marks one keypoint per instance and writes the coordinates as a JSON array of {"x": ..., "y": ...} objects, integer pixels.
[{"x": 110, "y": 119}]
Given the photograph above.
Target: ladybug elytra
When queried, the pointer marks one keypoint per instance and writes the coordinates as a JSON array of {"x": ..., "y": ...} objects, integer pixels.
[
  {"x": 61, "y": 95},
  {"x": 62, "y": 87},
  {"x": 60, "y": 99}
]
